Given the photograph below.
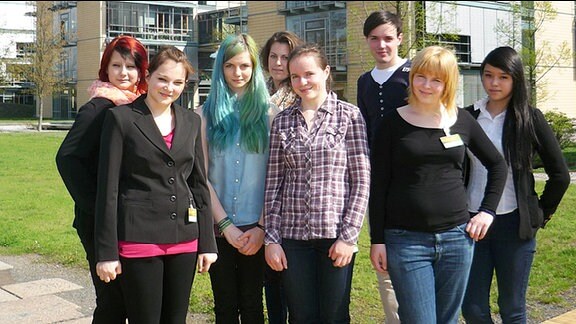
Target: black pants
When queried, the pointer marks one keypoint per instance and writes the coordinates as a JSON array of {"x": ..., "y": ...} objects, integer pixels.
[
  {"x": 237, "y": 282},
  {"x": 109, "y": 300},
  {"x": 157, "y": 289}
]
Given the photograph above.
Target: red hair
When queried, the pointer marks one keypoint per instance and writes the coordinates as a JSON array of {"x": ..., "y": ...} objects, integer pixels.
[{"x": 127, "y": 46}]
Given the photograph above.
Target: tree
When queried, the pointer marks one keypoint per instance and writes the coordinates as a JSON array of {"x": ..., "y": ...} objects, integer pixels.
[
  {"x": 45, "y": 56},
  {"x": 528, "y": 19}
]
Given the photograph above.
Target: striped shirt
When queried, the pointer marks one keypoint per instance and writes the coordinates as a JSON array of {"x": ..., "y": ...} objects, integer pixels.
[{"x": 318, "y": 180}]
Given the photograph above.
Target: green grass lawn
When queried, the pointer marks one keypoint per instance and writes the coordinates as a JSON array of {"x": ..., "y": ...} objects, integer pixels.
[{"x": 36, "y": 215}]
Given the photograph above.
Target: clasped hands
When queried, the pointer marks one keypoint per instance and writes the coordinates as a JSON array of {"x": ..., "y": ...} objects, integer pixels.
[{"x": 247, "y": 243}]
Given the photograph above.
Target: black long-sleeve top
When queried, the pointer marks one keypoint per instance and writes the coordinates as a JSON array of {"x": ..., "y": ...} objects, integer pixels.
[
  {"x": 418, "y": 185},
  {"x": 533, "y": 209},
  {"x": 77, "y": 159}
]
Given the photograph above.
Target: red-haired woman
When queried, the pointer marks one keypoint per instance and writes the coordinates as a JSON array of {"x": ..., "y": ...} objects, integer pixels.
[{"x": 121, "y": 79}]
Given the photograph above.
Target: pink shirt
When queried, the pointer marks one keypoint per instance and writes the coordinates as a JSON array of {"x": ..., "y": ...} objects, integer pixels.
[
  {"x": 143, "y": 250},
  {"x": 168, "y": 139}
]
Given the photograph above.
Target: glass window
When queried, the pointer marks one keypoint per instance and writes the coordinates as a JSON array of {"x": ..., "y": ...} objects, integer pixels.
[
  {"x": 472, "y": 89},
  {"x": 327, "y": 29},
  {"x": 150, "y": 22}
]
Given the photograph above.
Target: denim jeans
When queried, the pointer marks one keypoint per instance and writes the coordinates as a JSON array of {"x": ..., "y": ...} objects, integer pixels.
[
  {"x": 315, "y": 289},
  {"x": 504, "y": 253},
  {"x": 429, "y": 272},
  {"x": 237, "y": 282}
]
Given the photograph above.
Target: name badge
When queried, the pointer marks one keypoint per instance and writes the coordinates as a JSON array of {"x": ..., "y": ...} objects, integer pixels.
[
  {"x": 192, "y": 215},
  {"x": 450, "y": 141}
]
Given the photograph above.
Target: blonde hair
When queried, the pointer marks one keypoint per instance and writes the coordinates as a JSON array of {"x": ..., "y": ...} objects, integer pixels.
[{"x": 442, "y": 63}]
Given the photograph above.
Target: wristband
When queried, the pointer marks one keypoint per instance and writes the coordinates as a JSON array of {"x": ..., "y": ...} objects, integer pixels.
[
  {"x": 223, "y": 224},
  {"x": 261, "y": 227},
  {"x": 487, "y": 211}
]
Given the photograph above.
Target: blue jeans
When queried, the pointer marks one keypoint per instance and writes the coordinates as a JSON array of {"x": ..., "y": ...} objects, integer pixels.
[
  {"x": 315, "y": 289},
  {"x": 504, "y": 253},
  {"x": 276, "y": 299},
  {"x": 429, "y": 272}
]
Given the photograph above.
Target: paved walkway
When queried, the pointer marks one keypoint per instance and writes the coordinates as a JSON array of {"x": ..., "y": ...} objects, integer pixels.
[
  {"x": 35, "y": 292},
  {"x": 37, "y": 301},
  {"x": 567, "y": 318}
]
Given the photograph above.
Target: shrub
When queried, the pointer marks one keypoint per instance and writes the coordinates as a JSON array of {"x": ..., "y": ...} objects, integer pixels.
[
  {"x": 16, "y": 111},
  {"x": 562, "y": 126}
]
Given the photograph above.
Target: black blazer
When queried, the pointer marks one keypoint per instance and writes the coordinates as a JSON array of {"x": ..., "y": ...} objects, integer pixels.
[
  {"x": 533, "y": 209},
  {"x": 77, "y": 162},
  {"x": 144, "y": 188}
]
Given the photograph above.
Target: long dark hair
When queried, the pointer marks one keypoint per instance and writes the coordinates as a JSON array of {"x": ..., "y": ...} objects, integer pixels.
[{"x": 519, "y": 135}]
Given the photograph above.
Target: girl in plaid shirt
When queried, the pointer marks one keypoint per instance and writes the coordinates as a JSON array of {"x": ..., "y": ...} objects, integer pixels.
[{"x": 316, "y": 194}]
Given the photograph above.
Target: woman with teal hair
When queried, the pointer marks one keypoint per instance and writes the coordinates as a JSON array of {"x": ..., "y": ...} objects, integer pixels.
[{"x": 236, "y": 118}]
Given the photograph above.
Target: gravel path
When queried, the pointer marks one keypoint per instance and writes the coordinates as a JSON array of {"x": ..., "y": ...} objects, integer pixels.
[{"x": 543, "y": 176}]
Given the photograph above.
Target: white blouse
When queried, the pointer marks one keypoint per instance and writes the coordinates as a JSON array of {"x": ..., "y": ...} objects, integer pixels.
[{"x": 493, "y": 127}]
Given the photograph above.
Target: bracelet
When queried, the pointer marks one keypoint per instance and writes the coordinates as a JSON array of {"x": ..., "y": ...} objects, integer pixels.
[
  {"x": 223, "y": 224},
  {"x": 487, "y": 211},
  {"x": 260, "y": 227}
]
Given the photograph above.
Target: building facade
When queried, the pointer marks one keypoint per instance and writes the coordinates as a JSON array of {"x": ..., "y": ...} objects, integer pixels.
[
  {"x": 17, "y": 34},
  {"x": 471, "y": 28},
  {"x": 87, "y": 26}
]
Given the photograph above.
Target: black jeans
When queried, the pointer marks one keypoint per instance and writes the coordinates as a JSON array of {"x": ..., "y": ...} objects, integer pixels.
[
  {"x": 109, "y": 300},
  {"x": 275, "y": 297},
  {"x": 237, "y": 283}
]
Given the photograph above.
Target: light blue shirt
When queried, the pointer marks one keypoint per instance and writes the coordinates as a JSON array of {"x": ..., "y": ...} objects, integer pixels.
[{"x": 238, "y": 179}]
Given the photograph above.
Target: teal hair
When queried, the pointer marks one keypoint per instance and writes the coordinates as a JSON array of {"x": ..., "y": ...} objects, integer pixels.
[{"x": 222, "y": 123}]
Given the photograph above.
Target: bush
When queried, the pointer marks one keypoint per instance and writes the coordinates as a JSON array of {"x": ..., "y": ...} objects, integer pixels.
[
  {"x": 562, "y": 126},
  {"x": 17, "y": 111}
]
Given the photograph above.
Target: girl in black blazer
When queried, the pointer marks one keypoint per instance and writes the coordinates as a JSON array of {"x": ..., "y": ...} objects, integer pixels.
[
  {"x": 518, "y": 131},
  {"x": 121, "y": 80},
  {"x": 152, "y": 221}
]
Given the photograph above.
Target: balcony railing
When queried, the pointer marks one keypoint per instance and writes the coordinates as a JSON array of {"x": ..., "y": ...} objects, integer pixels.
[{"x": 297, "y": 7}]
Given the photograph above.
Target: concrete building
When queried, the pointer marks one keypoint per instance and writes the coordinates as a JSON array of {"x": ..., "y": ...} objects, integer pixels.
[
  {"x": 197, "y": 27},
  {"x": 88, "y": 25},
  {"x": 17, "y": 33},
  {"x": 472, "y": 28}
]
